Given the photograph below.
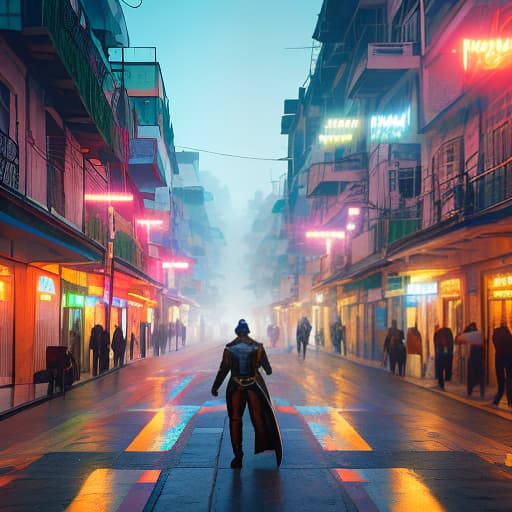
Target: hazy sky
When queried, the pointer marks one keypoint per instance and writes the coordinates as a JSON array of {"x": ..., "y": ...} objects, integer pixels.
[{"x": 227, "y": 71}]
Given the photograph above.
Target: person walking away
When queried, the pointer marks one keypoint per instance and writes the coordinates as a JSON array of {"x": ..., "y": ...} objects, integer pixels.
[
  {"x": 243, "y": 357},
  {"x": 336, "y": 335},
  {"x": 443, "y": 349},
  {"x": 275, "y": 336},
  {"x": 395, "y": 348},
  {"x": 117, "y": 346},
  {"x": 94, "y": 346},
  {"x": 502, "y": 341},
  {"x": 302, "y": 335},
  {"x": 475, "y": 369}
]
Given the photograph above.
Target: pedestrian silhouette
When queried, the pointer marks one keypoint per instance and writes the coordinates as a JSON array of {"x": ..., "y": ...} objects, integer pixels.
[
  {"x": 475, "y": 369},
  {"x": 302, "y": 336},
  {"x": 502, "y": 340},
  {"x": 443, "y": 346},
  {"x": 394, "y": 347}
]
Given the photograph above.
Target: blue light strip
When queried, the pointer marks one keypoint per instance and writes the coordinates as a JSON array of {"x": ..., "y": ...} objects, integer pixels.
[
  {"x": 186, "y": 413},
  {"x": 179, "y": 388}
]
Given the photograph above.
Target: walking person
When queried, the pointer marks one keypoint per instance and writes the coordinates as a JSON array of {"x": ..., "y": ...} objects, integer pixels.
[
  {"x": 118, "y": 346},
  {"x": 443, "y": 347},
  {"x": 302, "y": 336},
  {"x": 94, "y": 346},
  {"x": 394, "y": 347},
  {"x": 243, "y": 357},
  {"x": 474, "y": 339},
  {"x": 337, "y": 334},
  {"x": 502, "y": 340}
]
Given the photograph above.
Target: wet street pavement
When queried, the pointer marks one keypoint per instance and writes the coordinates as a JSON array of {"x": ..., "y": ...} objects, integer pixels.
[{"x": 151, "y": 437}]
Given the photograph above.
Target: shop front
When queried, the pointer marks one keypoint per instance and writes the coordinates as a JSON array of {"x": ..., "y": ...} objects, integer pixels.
[
  {"x": 498, "y": 287},
  {"x": 6, "y": 321}
]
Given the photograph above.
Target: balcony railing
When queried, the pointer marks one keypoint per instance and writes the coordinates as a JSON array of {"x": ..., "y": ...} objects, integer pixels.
[
  {"x": 9, "y": 162},
  {"x": 332, "y": 178},
  {"x": 82, "y": 60}
]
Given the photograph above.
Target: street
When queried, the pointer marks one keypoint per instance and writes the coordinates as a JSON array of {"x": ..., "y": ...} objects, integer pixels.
[{"x": 151, "y": 437}]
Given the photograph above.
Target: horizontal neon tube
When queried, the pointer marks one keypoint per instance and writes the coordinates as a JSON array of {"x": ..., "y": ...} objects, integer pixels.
[{"x": 109, "y": 197}]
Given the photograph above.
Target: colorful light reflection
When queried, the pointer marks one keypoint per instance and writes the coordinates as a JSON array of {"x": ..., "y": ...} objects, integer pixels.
[{"x": 331, "y": 430}]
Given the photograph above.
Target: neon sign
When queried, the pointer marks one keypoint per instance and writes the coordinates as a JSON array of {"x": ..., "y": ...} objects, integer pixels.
[
  {"x": 338, "y": 131},
  {"x": 486, "y": 53},
  {"x": 46, "y": 285},
  {"x": 385, "y": 128},
  {"x": 177, "y": 265},
  {"x": 422, "y": 289},
  {"x": 105, "y": 198},
  {"x": 325, "y": 234}
]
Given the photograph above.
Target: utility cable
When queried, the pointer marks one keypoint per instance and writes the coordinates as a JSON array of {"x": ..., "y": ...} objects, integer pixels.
[
  {"x": 283, "y": 159},
  {"x": 132, "y": 6}
]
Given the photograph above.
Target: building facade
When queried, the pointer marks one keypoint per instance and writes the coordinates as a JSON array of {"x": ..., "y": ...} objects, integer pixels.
[{"x": 402, "y": 141}]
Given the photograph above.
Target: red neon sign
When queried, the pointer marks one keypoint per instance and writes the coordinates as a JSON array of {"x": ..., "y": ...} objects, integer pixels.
[{"x": 486, "y": 53}]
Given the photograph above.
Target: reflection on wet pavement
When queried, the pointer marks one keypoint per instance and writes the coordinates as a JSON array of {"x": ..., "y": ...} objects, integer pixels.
[
  {"x": 115, "y": 490},
  {"x": 331, "y": 430},
  {"x": 391, "y": 489}
]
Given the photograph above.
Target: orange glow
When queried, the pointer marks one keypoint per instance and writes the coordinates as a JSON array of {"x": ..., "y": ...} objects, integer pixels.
[
  {"x": 109, "y": 197},
  {"x": 106, "y": 489},
  {"x": 287, "y": 409},
  {"x": 211, "y": 408},
  {"x": 146, "y": 437},
  {"x": 349, "y": 475},
  {"x": 3, "y": 293},
  {"x": 150, "y": 302},
  {"x": 95, "y": 290},
  {"x": 486, "y": 53},
  {"x": 150, "y": 476}
]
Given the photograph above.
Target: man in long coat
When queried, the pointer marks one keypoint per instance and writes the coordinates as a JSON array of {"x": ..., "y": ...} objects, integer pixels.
[{"x": 243, "y": 357}]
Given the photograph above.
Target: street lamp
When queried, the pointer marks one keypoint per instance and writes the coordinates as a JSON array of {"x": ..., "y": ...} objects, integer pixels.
[
  {"x": 149, "y": 223},
  {"x": 109, "y": 256}
]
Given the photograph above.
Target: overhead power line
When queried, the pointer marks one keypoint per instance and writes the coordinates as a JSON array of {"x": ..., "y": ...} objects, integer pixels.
[
  {"x": 283, "y": 159},
  {"x": 132, "y": 6}
]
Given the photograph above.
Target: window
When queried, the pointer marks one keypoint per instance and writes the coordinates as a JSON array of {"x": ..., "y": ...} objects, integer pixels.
[{"x": 5, "y": 98}]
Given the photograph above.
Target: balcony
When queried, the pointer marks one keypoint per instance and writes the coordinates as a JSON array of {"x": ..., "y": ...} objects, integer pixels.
[
  {"x": 73, "y": 70},
  {"x": 146, "y": 168},
  {"x": 380, "y": 68},
  {"x": 333, "y": 178}
]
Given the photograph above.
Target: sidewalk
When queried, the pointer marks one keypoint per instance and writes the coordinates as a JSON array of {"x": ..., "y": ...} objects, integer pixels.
[
  {"x": 455, "y": 390},
  {"x": 20, "y": 396}
]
